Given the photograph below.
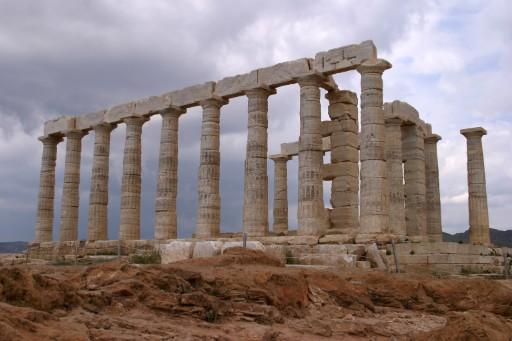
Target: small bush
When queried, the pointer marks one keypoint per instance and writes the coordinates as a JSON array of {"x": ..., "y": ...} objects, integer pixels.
[
  {"x": 146, "y": 258},
  {"x": 289, "y": 257},
  {"x": 412, "y": 252}
]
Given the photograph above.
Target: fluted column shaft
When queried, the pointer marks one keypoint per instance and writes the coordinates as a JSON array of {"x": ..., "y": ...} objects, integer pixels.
[
  {"x": 45, "y": 202},
  {"x": 70, "y": 199},
  {"x": 129, "y": 228},
  {"x": 255, "y": 209},
  {"x": 478, "y": 211},
  {"x": 167, "y": 184},
  {"x": 208, "y": 213},
  {"x": 433, "y": 197},
  {"x": 345, "y": 151},
  {"x": 311, "y": 211},
  {"x": 97, "y": 226},
  {"x": 374, "y": 216},
  {"x": 280, "y": 210},
  {"x": 414, "y": 174},
  {"x": 394, "y": 165}
]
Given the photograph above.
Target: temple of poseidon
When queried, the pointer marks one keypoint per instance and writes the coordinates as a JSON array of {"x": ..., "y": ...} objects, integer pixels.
[{"x": 385, "y": 199}]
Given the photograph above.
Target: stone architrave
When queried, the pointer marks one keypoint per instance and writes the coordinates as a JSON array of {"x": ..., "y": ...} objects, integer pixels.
[
  {"x": 394, "y": 165},
  {"x": 433, "y": 197},
  {"x": 374, "y": 203},
  {"x": 208, "y": 208},
  {"x": 129, "y": 228},
  {"x": 45, "y": 203},
  {"x": 98, "y": 197},
  {"x": 70, "y": 199},
  {"x": 166, "y": 225},
  {"x": 280, "y": 210},
  {"x": 311, "y": 214},
  {"x": 414, "y": 175},
  {"x": 478, "y": 212},
  {"x": 344, "y": 216},
  {"x": 255, "y": 209}
]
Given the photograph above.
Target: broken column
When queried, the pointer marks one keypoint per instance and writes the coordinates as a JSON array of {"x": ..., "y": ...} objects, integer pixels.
[
  {"x": 129, "y": 228},
  {"x": 345, "y": 155},
  {"x": 45, "y": 202},
  {"x": 478, "y": 212},
  {"x": 208, "y": 208},
  {"x": 280, "y": 210},
  {"x": 433, "y": 197},
  {"x": 70, "y": 199},
  {"x": 414, "y": 174},
  {"x": 394, "y": 165},
  {"x": 255, "y": 209},
  {"x": 374, "y": 205},
  {"x": 311, "y": 215},
  {"x": 167, "y": 183},
  {"x": 97, "y": 225}
]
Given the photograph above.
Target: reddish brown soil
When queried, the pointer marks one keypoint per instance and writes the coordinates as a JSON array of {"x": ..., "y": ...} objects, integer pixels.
[{"x": 245, "y": 295}]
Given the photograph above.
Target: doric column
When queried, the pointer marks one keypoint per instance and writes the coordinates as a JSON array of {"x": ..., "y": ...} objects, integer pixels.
[
  {"x": 97, "y": 226},
  {"x": 345, "y": 153},
  {"x": 255, "y": 211},
  {"x": 208, "y": 208},
  {"x": 129, "y": 226},
  {"x": 374, "y": 202},
  {"x": 167, "y": 184},
  {"x": 478, "y": 213},
  {"x": 44, "y": 225},
  {"x": 434, "y": 227},
  {"x": 414, "y": 174},
  {"x": 311, "y": 212},
  {"x": 394, "y": 166},
  {"x": 280, "y": 210},
  {"x": 70, "y": 199}
]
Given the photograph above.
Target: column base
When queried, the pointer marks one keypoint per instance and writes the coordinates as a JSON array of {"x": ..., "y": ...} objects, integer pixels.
[{"x": 380, "y": 238}]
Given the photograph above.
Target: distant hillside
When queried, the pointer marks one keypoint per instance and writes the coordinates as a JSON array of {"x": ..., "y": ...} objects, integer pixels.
[
  {"x": 13, "y": 247},
  {"x": 498, "y": 237}
]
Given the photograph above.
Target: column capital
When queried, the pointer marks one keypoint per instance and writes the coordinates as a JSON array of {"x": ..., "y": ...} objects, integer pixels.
[
  {"x": 377, "y": 66},
  {"x": 261, "y": 91},
  {"x": 173, "y": 111},
  {"x": 135, "y": 119},
  {"x": 342, "y": 96},
  {"x": 393, "y": 121},
  {"x": 473, "y": 132},
  {"x": 51, "y": 139},
  {"x": 280, "y": 157},
  {"x": 314, "y": 79},
  {"x": 214, "y": 101},
  {"x": 104, "y": 126},
  {"x": 76, "y": 133},
  {"x": 432, "y": 138}
]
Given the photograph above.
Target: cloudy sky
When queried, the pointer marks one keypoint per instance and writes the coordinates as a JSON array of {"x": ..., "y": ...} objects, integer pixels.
[{"x": 451, "y": 60}]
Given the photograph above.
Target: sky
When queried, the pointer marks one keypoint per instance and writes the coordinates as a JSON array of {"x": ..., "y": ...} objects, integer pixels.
[{"x": 451, "y": 61}]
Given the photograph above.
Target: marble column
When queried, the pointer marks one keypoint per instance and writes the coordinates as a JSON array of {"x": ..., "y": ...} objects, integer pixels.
[
  {"x": 167, "y": 184},
  {"x": 208, "y": 208},
  {"x": 129, "y": 227},
  {"x": 433, "y": 197},
  {"x": 478, "y": 213},
  {"x": 255, "y": 209},
  {"x": 394, "y": 165},
  {"x": 311, "y": 215},
  {"x": 97, "y": 225},
  {"x": 70, "y": 199},
  {"x": 414, "y": 174},
  {"x": 280, "y": 210},
  {"x": 374, "y": 203},
  {"x": 344, "y": 152},
  {"x": 44, "y": 225}
]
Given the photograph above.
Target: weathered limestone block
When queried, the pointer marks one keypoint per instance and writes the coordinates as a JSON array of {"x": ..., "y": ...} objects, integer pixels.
[
  {"x": 374, "y": 194},
  {"x": 117, "y": 113},
  {"x": 234, "y": 86},
  {"x": 288, "y": 240},
  {"x": 284, "y": 73},
  {"x": 44, "y": 224},
  {"x": 59, "y": 126},
  {"x": 403, "y": 110},
  {"x": 344, "y": 58},
  {"x": 166, "y": 224},
  {"x": 151, "y": 105},
  {"x": 280, "y": 207},
  {"x": 208, "y": 248},
  {"x": 433, "y": 197},
  {"x": 129, "y": 228},
  {"x": 292, "y": 148},
  {"x": 176, "y": 251},
  {"x": 478, "y": 211},
  {"x": 254, "y": 245},
  {"x": 89, "y": 121},
  {"x": 98, "y": 195},
  {"x": 337, "y": 239},
  {"x": 70, "y": 189},
  {"x": 375, "y": 257},
  {"x": 192, "y": 95},
  {"x": 255, "y": 208}
]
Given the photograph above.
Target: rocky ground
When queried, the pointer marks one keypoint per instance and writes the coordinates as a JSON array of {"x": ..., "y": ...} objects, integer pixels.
[{"x": 245, "y": 295}]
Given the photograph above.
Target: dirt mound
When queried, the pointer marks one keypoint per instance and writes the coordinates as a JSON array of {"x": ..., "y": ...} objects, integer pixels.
[{"x": 242, "y": 294}]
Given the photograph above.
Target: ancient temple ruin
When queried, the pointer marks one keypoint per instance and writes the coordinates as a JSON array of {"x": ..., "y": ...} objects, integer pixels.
[{"x": 384, "y": 166}]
